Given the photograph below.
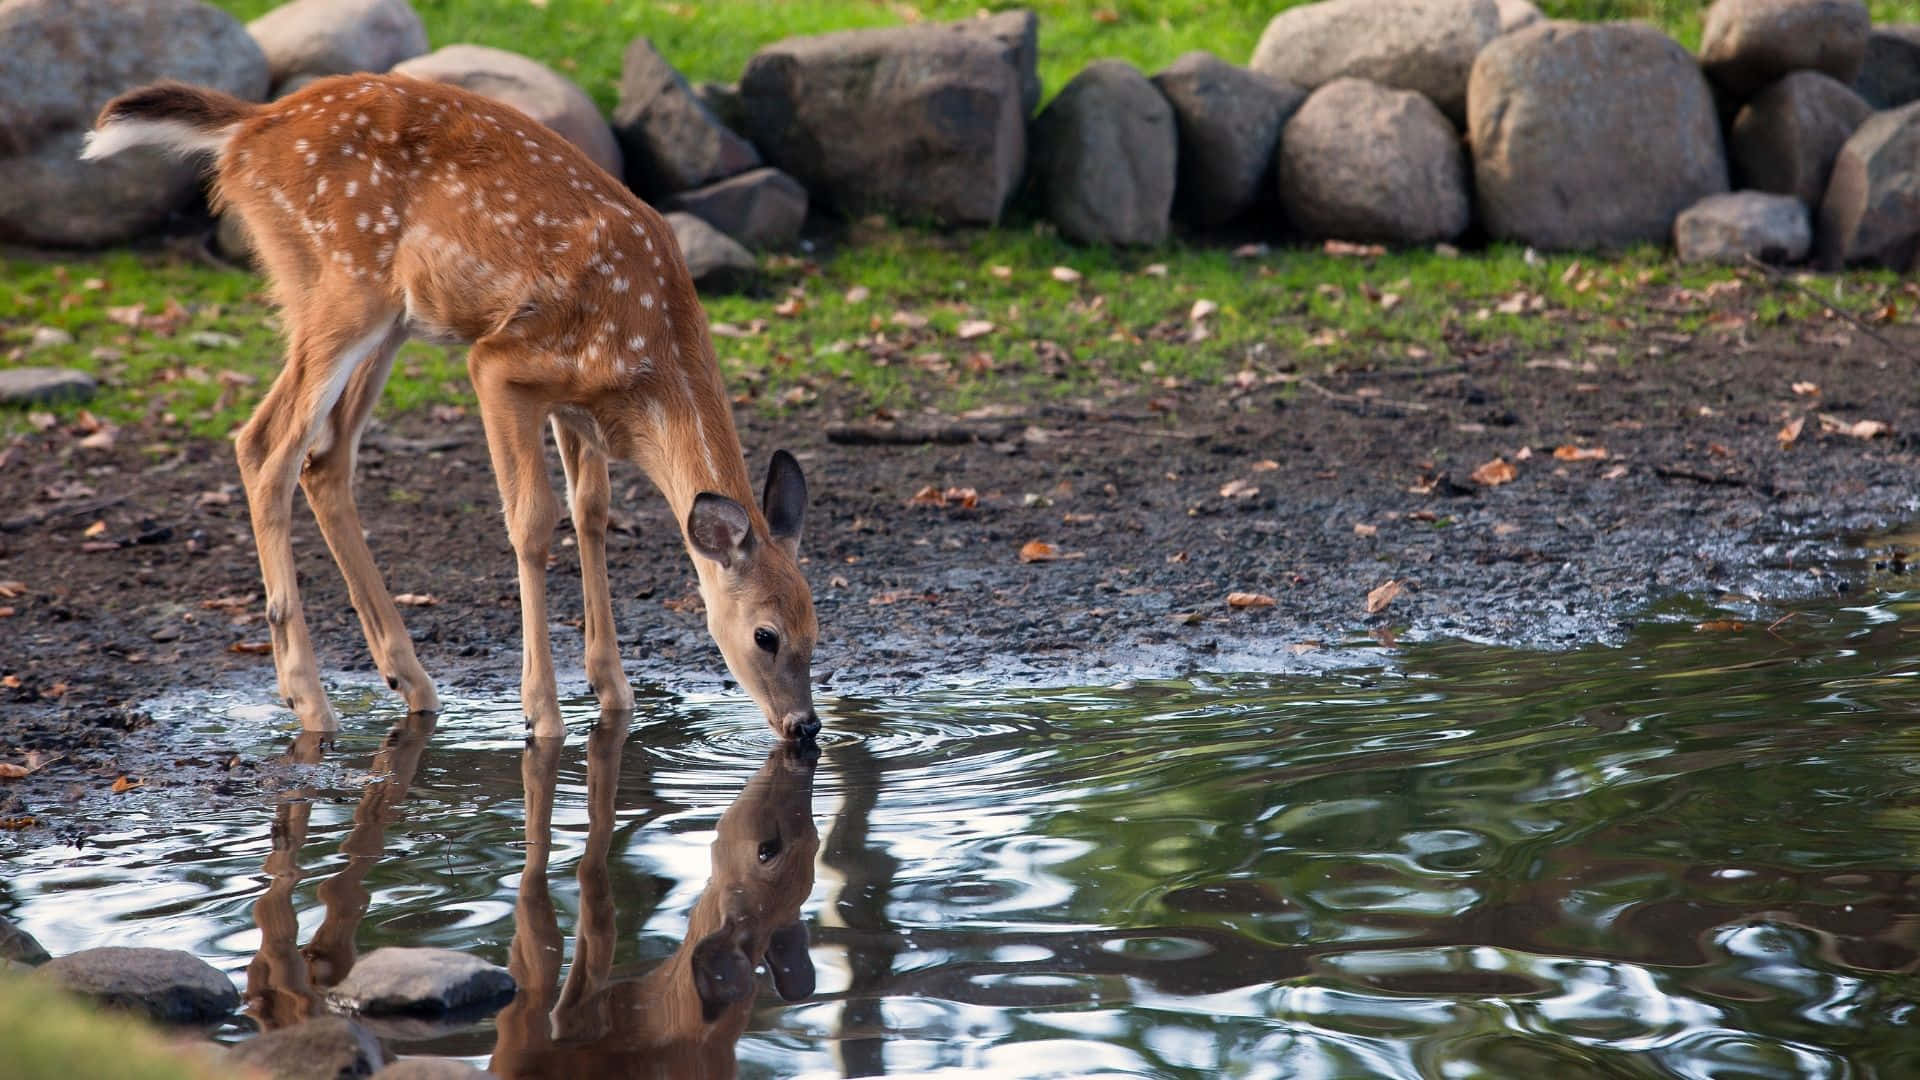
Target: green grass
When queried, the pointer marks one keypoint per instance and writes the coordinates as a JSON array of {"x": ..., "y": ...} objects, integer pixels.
[
  {"x": 50, "y": 1036},
  {"x": 1123, "y": 327}
]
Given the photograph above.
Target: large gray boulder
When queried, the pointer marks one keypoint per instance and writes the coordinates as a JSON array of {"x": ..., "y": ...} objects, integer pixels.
[
  {"x": 309, "y": 38},
  {"x": 324, "y": 1048},
  {"x": 1229, "y": 121},
  {"x": 713, "y": 258},
  {"x": 1019, "y": 30},
  {"x": 1890, "y": 73},
  {"x": 763, "y": 209},
  {"x": 1363, "y": 162},
  {"x": 671, "y": 140},
  {"x": 1749, "y": 43},
  {"x": 64, "y": 59},
  {"x": 162, "y": 984},
  {"x": 1730, "y": 227},
  {"x": 1422, "y": 45},
  {"x": 1103, "y": 157},
  {"x": 1871, "y": 211},
  {"x": 396, "y": 981},
  {"x": 1786, "y": 138},
  {"x": 527, "y": 85},
  {"x": 916, "y": 120},
  {"x": 1590, "y": 135}
]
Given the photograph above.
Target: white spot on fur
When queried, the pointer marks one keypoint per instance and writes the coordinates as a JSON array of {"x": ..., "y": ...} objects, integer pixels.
[
  {"x": 353, "y": 188},
  {"x": 619, "y": 284}
]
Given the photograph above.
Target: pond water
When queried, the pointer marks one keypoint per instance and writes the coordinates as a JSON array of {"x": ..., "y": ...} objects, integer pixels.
[{"x": 1694, "y": 856}]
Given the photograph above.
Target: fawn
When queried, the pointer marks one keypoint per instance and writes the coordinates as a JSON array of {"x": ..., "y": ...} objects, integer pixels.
[{"x": 383, "y": 207}]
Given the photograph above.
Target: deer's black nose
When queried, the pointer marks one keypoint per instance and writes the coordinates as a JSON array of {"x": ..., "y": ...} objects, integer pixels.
[{"x": 802, "y": 725}]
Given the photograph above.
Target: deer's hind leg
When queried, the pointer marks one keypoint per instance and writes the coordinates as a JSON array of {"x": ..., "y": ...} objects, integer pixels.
[
  {"x": 589, "y": 496},
  {"x": 327, "y": 480},
  {"x": 322, "y": 358}
]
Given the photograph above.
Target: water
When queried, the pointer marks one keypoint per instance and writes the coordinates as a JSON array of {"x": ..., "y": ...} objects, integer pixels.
[{"x": 1695, "y": 856}]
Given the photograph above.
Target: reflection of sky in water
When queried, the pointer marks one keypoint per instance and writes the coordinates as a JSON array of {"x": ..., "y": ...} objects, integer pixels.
[{"x": 1690, "y": 857}]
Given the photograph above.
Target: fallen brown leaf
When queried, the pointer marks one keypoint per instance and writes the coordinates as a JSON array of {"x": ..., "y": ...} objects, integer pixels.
[
  {"x": 409, "y": 599},
  {"x": 12, "y": 589},
  {"x": 1201, "y": 309},
  {"x": 98, "y": 528},
  {"x": 11, "y": 682},
  {"x": 1066, "y": 275},
  {"x": 1806, "y": 389},
  {"x": 10, "y": 771},
  {"x": 1614, "y": 473},
  {"x": 1249, "y": 600},
  {"x": 1361, "y": 528},
  {"x": 1494, "y": 473},
  {"x": 1379, "y": 598},
  {"x": 1580, "y": 453},
  {"x": 1301, "y": 648},
  {"x": 251, "y": 648},
  {"x": 1239, "y": 489},
  {"x": 973, "y": 328},
  {"x": 17, "y": 823},
  {"x": 1720, "y": 626},
  {"x": 1791, "y": 431},
  {"x": 790, "y": 307},
  {"x": 123, "y": 785},
  {"x": 1264, "y": 465},
  {"x": 1038, "y": 551},
  {"x": 1859, "y": 429}
]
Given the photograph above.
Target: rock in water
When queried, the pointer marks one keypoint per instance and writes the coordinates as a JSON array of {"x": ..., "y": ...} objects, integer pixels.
[
  {"x": 324, "y": 1048},
  {"x": 163, "y": 984},
  {"x": 399, "y": 981}
]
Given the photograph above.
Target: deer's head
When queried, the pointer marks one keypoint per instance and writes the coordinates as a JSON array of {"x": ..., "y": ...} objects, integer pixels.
[{"x": 759, "y": 608}]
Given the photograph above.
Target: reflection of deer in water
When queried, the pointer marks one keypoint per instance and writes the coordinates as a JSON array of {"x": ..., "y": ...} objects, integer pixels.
[
  {"x": 683, "y": 1018},
  {"x": 285, "y": 984}
]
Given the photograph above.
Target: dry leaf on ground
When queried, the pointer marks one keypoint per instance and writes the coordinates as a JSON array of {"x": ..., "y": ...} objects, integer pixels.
[
  {"x": 1066, "y": 275},
  {"x": 1806, "y": 389},
  {"x": 1201, "y": 309},
  {"x": 1361, "y": 528},
  {"x": 858, "y": 294},
  {"x": 11, "y": 589},
  {"x": 973, "y": 328},
  {"x": 1264, "y": 465},
  {"x": 1239, "y": 489},
  {"x": 1580, "y": 453},
  {"x": 1720, "y": 626},
  {"x": 1249, "y": 600},
  {"x": 1494, "y": 473},
  {"x": 98, "y": 528},
  {"x": 124, "y": 784},
  {"x": 1038, "y": 551},
  {"x": 1378, "y": 599},
  {"x": 1791, "y": 431},
  {"x": 1859, "y": 429},
  {"x": 10, "y": 771},
  {"x": 251, "y": 648},
  {"x": 411, "y": 599}
]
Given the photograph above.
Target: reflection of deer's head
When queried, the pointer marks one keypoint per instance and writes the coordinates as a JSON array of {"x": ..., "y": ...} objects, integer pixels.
[
  {"x": 683, "y": 1018},
  {"x": 762, "y": 873}
]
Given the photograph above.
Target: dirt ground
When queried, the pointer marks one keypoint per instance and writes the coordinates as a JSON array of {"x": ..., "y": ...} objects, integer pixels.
[{"x": 136, "y": 573}]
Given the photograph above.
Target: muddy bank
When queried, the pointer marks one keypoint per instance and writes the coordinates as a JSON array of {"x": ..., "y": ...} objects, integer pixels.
[{"x": 139, "y": 577}]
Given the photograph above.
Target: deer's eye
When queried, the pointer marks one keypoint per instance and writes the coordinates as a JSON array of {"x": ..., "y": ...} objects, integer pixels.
[
  {"x": 768, "y": 641},
  {"x": 768, "y": 849}
]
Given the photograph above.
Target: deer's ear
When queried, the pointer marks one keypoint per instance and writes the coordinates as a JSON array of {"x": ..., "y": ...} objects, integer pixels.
[
  {"x": 719, "y": 529},
  {"x": 785, "y": 500},
  {"x": 722, "y": 974},
  {"x": 790, "y": 962}
]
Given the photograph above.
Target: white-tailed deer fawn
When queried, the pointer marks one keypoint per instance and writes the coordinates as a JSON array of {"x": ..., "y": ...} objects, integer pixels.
[{"x": 383, "y": 207}]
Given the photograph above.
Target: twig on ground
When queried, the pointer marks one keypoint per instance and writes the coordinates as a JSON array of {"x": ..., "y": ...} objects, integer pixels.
[
  {"x": 54, "y": 513},
  {"x": 1356, "y": 399},
  {"x": 1783, "y": 278}
]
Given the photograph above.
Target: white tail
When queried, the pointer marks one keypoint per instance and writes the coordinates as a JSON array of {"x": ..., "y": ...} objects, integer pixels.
[{"x": 172, "y": 136}]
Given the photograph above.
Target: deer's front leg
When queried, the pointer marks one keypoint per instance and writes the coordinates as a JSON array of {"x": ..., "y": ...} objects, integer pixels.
[
  {"x": 589, "y": 494},
  {"x": 512, "y": 417}
]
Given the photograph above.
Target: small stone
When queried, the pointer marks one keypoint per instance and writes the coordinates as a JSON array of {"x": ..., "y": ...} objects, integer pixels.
[
  {"x": 18, "y": 946},
  {"x": 162, "y": 984},
  {"x": 44, "y": 385},
  {"x": 1728, "y": 228},
  {"x": 48, "y": 337},
  {"x": 324, "y": 1048},
  {"x": 713, "y": 258},
  {"x": 763, "y": 209},
  {"x": 395, "y": 981}
]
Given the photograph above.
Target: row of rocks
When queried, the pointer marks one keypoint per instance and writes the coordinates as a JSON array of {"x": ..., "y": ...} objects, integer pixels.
[
  {"x": 1349, "y": 121},
  {"x": 173, "y": 987}
]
